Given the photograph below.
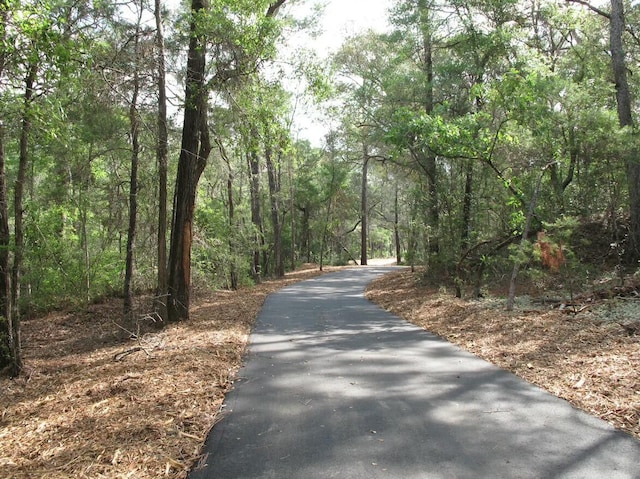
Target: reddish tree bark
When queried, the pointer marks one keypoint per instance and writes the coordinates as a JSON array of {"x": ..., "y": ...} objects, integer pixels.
[{"x": 194, "y": 152}]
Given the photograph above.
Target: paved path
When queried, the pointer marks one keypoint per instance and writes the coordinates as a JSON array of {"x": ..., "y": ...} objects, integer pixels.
[{"x": 335, "y": 387}]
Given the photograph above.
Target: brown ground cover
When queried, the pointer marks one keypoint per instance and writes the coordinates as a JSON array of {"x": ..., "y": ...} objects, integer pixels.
[{"x": 92, "y": 405}]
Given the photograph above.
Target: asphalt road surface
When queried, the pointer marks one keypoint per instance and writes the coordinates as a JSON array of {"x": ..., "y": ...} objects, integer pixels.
[{"x": 335, "y": 387}]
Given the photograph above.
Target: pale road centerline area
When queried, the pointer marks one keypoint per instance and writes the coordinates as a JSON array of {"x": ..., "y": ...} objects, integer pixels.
[{"x": 335, "y": 387}]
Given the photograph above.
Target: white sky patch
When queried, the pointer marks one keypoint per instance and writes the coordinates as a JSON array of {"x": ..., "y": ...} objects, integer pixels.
[
  {"x": 345, "y": 18},
  {"x": 340, "y": 20}
]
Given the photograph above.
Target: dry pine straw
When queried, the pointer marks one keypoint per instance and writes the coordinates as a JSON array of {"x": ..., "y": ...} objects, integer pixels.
[
  {"x": 77, "y": 412},
  {"x": 593, "y": 364}
]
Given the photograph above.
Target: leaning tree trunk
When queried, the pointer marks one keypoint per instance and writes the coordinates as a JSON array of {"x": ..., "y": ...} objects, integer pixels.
[
  {"x": 161, "y": 154},
  {"x": 194, "y": 152},
  {"x": 625, "y": 119}
]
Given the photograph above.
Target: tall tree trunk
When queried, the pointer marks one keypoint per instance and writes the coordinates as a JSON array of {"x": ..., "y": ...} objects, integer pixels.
[
  {"x": 233, "y": 272},
  {"x": 7, "y": 329},
  {"x": 18, "y": 226},
  {"x": 7, "y": 338},
  {"x": 466, "y": 221},
  {"x": 305, "y": 246},
  {"x": 292, "y": 206},
  {"x": 412, "y": 242},
  {"x": 256, "y": 215},
  {"x": 231, "y": 212},
  {"x": 133, "y": 182},
  {"x": 327, "y": 221},
  {"x": 466, "y": 207},
  {"x": 429, "y": 159},
  {"x": 274, "y": 194},
  {"x": 194, "y": 152},
  {"x": 161, "y": 154},
  {"x": 396, "y": 225},
  {"x": 625, "y": 119},
  {"x": 364, "y": 205}
]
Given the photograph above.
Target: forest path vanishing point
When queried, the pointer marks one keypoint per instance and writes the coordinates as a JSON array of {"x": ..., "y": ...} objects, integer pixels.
[{"x": 334, "y": 386}]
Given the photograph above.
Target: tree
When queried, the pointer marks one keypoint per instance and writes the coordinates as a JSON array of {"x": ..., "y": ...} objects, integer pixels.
[
  {"x": 194, "y": 151},
  {"x": 617, "y": 28},
  {"x": 253, "y": 164},
  {"x": 196, "y": 144},
  {"x": 134, "y": 122},
  {"x": 9, "y": 340},
  {"x": 416, "y": 19},
  {"x": 364, "y": 205},
  {"x": 623, "y": 96},
  {"x": 161, "y": 155}
]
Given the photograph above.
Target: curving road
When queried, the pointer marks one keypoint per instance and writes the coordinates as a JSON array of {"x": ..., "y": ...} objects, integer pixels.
[{"x": 335, "y": 387}]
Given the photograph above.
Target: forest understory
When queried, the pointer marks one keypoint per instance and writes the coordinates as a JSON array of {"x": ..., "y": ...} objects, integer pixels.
[{"x": 91, "y": 404}]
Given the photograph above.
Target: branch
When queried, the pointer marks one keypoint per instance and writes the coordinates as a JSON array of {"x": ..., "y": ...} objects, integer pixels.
[
  {"x": 274, "y": 7},
  {"x": 591, "y": 7},
  {"x": 352, "y": 229},
  {"x": 602, "y": 13}
]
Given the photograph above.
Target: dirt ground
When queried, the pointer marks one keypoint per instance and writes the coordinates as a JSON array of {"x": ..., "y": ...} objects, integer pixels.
[{"x": 93, "y": 405}]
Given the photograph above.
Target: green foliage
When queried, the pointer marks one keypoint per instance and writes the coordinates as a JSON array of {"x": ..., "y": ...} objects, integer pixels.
[{"x": 510, "y": 87}]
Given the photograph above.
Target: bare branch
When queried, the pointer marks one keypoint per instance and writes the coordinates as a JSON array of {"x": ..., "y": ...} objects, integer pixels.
[
  {"x": 607, "y": 15},
  {"x": 592, "y": 8},
  {"x": 274, "y": 7}
]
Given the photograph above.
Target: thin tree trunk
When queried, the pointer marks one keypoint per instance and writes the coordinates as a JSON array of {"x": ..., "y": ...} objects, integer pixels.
[
  {"x": 161, "y": 154},
  {"x": 274, "y": 193},
  {"x": 466, "y": 207},
  {"x": 7, "y": 335},
  {"x": 466, "y": 220},
  {"x": 233, "y": 273},
  {"x": 523, "y": 241},
  {"x": 8, "y": 328},
  {"x": 364, "y": 206},
  {"x": 231, "y": 211},
  {"x": 194, "y": 152},
  {"x": 327, "y": 221},
  {"x": 133, "y": 182},
  {"x": 306, "y": 233},
  {"x": 430, "y": 165},
  {"x": 292, "y": 206},
  {"x": 396, "y": 225},
  {"x": 19, "y": 215},
  {"x": 256, "y": 215}
]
